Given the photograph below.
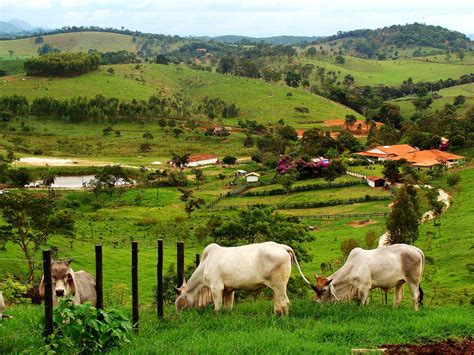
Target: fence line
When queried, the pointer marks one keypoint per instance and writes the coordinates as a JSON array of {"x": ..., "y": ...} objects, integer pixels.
[
  {"x": 357, "y": 175},
  {"x": 345, "y": 215}
]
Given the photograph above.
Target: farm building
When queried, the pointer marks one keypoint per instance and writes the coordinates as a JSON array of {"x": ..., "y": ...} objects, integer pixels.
[
  {"x": 252, "y": 177},
  {"x": 428, "y": 158},
  {"x": 375, "y": 181},
  {"x": 387, "y": 152},
  {"x": 241, "y": 172},
  {"x": 201, "y": 159}
]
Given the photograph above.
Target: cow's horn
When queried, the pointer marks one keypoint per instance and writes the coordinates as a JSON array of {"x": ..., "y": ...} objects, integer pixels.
[
  {"x": 177, "y": 290},
  {"x": 316, "y": 276},
  {"x": 184, "y": 282}
]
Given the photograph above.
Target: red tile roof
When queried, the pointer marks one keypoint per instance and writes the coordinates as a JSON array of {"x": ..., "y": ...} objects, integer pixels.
[
  {"x": 374, "y": 178},
  {"x": 199, "y": 157},
  {"x": 428, "y": 157}
]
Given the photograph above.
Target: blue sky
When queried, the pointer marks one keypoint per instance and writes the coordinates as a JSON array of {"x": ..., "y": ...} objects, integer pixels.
[{"x": 245, "y": 17}]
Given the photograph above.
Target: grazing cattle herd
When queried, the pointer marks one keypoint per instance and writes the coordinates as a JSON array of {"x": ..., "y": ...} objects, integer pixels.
[{"x": 253, "y": 267}]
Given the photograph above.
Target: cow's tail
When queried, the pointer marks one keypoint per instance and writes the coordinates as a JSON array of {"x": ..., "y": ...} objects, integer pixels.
[
  {"x": 420, "y": 290},
  {"x": 293, "y": 259}
]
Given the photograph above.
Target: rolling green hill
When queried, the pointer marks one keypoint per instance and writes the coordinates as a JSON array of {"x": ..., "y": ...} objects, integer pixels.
[
  {"x": 71, "y": 42},
  {"x": 394, "y": 72},
  {"x": 256, "y": 99},
  {"x": 447, "y": 97}
]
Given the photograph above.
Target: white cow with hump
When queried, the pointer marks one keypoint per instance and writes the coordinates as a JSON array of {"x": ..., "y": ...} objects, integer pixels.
[
  {"x": 384, "y": 267},
  {"x": 250, "y": 267}
]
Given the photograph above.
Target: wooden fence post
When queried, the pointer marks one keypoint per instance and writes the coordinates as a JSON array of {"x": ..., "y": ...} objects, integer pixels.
[
  {"x": 99, "y": 277},
  {"x": 48, "y": 294},
  {"x": 198, "y": 260},
  {"x": 135, "y": 316},
  {"x": 159, "y": 280},
  {"x": 180, "y": 262}
]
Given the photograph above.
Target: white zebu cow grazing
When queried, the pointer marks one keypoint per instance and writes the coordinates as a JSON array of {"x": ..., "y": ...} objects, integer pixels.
[
  {"x": 249, "y": 267},
  {"x": 65, "y": 282},
  {"x": 364, "y": 270}
]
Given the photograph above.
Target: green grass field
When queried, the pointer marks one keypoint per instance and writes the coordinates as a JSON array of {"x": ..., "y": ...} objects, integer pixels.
[
  {"x": 448, "y": 95},
  {"x": 394, "y": 72},
  {"x": 257, "y": 100},
  {"x": 71, "y": 42},
  {"x": 251, "y": 328}
]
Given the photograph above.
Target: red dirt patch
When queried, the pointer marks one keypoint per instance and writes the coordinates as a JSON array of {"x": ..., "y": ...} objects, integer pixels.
[
  {"x": 450, "y": 346},
  {"x": 355, "y": 129},
  {"x": 360, "y": 224}
]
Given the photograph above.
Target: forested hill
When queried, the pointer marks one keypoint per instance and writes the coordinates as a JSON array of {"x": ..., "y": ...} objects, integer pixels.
[
  {"x": 274, "y": 40},
  {"x": 368, "y": 43}
]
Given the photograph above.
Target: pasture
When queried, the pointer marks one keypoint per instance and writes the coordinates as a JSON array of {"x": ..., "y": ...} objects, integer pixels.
[
  {"x": 71, "y": 42},
  {"x": 257, "y": 100},
  {"x": 251, "y": 328},
  {"x": 394, "y": 72}
]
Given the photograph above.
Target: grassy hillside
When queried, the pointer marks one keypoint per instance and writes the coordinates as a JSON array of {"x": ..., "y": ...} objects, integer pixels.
[
  {"x": 447, "y": 97},
  {"x": 71, "y": 42},
  {"x": 257, "y": 100},
  {"x": 394, "y": 72}
]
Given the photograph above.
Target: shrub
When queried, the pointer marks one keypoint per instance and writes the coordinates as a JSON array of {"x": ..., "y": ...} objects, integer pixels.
[
  {"x": 453, "y": 179},
  {"x": 85, "y": 329},
  {"x": 347, "y": 246},
  {"x": 370, "y": 239},
  {"x": 229, "y": 160},
  {"x": 14, "y": 292}
]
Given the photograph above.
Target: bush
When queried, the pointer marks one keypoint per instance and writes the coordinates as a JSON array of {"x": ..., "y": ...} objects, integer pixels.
[
  {"x": 14, "y": 292},
  {"x": 62, "y": 64},
  {"x": 453, "y": 179},
  {"x": 347, "y": 246},
  {"x": 85, "y": 329},
  {"x": 229, "y": 160}
]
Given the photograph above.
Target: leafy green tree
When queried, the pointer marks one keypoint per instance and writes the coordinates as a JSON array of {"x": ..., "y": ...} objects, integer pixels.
[
  {"x": 47, "y": 179},
  {"x": 347, "y": 245},
  {"x": 29, "y": 220},
  {"x": 259, "y": 225},
  {"x": 177, "y": 132},
  {"x": 403, "y": 221},
  {"x": 287, "y": 181},
  {"x": 249, "y": 141},
  {"x": 229, "y": 160},
  {"x": 190, "y": 202},
  {"x": 180, "y": 161},
  {"x": 340, "y": 59},
  {"x": 162, "y": 59},
  {"x": 198, "y": 175},
  {"x": 459, "y": 100},
  {"x": 148, "y": 136},
  {"x": 350, "y": 120},
  {"x": 20, "y": 177},
  {"x": 293, "y": 79},
  {"x": 391, "y": 170},
  {"x": 108, "y": 179}
]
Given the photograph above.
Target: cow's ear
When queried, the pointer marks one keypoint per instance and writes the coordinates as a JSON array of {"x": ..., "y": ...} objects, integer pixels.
[
  {"x": 69, "y": 261},
  {"x": 314, "y": 288},
  {"x": 328, "y": 281},
  {"x": 71, "y": 283}
]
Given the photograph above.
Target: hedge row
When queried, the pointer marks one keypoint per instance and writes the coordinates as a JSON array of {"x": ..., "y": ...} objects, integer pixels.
[{"x": 301, "y": 188}]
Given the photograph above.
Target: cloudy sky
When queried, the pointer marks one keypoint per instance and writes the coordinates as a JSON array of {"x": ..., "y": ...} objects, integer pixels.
[{"x": 244, "y": 17}]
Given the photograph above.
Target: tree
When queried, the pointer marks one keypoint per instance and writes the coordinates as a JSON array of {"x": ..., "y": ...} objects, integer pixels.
[
  {"x": 226, "y": 65},
  {"x": 229, "y": 160},
  {"x": 10, "y": 52},
  {"x": 144, "y": 147},
  {"x": 162, "y": 59},
  {"x": 287, "y": 180},
  {"x": 391, "y": 170},
  {"x": 249, "y": 141},
  {"x": 340, "y": 59},
  {"x": 198, "y": 175},
  {"x": 108, "y": 178},
  {"x": 293, "y": 79},
  {"x": 148, "y": 136},
  {"x": 403, "y": 221},
  {"x": 29, "y": 220},
  {"x": 20, "y": 177},
  {"x": 180, "y": 161},
  {"x": 177, "y": 132},
  {"x": 47, "y": 179},
  {"x": 347, "y": 246},
  {"x": 370, "y": 239},
  {"x": 261, "y": 224},
  {"x": 190, "y": 202},
  {"x": 350, "y": 120},
  {"x": 459, "y": 100},
  {"x": 453, "y": 179},
  {"x": 335, "y": 169},
  {"x": 311, "y": 52},
  {"x": 460, "y": 54}
]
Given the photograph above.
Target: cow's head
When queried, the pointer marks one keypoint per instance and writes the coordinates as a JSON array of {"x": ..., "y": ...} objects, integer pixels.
[
  {"x": 183, "y": 299},
  {"x": 62, "y": 279},
  {"x": 323, "y": 292}
]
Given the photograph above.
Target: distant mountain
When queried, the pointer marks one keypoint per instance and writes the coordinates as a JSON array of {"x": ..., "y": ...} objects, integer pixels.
[
  {"x": 23, "y": 25},
  {"x": 274, "y": 40},
  {"x": 471, "y": 36},
  {"x": 8, "y": 28},
  {"x": 387, "y": 40}
]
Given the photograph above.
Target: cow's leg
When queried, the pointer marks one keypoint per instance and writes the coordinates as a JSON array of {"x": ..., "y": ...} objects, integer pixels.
[
  {"x": 217, "y": 293},
  {"x": 280, "y": 301},
  {"x": 398, "y": 294},
  {"x": 228, "y": 299},
  {"x": 363, "y": 295},
  {"x": 385, "y": 295},
  {"x": 414, "y": 290}
]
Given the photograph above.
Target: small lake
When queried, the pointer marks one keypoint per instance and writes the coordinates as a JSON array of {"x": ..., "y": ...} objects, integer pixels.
[{"x": 71, "y": 182}]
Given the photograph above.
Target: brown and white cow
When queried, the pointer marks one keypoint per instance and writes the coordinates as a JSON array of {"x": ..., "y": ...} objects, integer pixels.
[
  {"x": 250, "y": 267},
  {"x": 364, "y": 270},
  {"x": 65, "y": 282}
]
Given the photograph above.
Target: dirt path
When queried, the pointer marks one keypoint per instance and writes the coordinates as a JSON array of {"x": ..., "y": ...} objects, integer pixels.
[{"x": 443, "y": 196}]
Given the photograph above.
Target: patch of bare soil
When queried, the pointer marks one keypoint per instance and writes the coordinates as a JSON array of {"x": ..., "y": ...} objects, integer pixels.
[
  {"x": 360, "y": 224},
  {"x": 450, "y": 346}
]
